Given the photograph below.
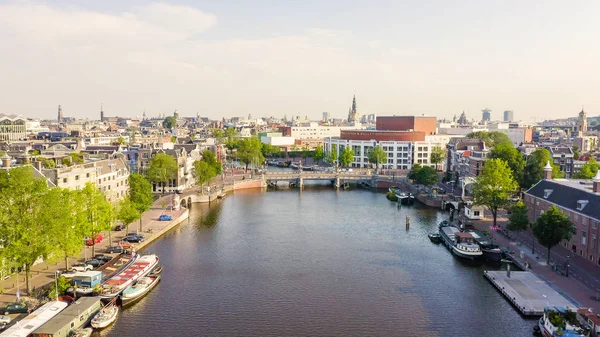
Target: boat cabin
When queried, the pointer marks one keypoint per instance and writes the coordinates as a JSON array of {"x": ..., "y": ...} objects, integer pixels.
[
  {"x": 462, "y": 237},
  {"x": 75, "y": 316},
  {"x": 88, "y": 279}
]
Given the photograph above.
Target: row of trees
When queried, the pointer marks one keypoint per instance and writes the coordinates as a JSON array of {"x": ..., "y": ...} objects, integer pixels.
[
  {"x": 206, "y": 168},
  {"x": 39, "y": 222}
]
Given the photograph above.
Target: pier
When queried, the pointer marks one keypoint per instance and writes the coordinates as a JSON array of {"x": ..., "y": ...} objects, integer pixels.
[{"x": 527, "y": 292}]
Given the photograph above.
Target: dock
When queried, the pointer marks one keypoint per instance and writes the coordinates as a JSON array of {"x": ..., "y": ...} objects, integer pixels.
[{"x": 527, "y": 292}]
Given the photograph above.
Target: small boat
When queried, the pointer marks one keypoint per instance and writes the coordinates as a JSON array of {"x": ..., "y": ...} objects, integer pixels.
[
  {"x": 435, "y": 238},
  {"x": 405, "y": 198},
  {"x": 85, "y": 332},
  {"x": 139, "y": 289},
  {"x": 394, "y": 189},
  {"x": 106, "y": 316}
]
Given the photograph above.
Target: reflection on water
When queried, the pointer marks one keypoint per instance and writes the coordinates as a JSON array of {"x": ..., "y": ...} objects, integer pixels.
[{"x": 315, "y": 263}]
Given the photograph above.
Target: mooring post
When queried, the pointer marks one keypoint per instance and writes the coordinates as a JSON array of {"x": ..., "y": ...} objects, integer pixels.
[{"x": 407, "y": 222}]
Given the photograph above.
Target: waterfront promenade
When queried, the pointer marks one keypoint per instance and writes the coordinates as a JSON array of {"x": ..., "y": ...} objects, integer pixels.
[{"x": 43, "y": 273}]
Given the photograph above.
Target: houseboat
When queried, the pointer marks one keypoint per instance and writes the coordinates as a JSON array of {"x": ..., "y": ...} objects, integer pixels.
[
  {"x": 490, "y": 251},
  {"x": 560, "y": 321},
  {"x": 36, "y": 319},
  {"x": 75, "y": 316},
  {"x": 460, "y": 244},
  {"x": 127, "y": 276},
  {"x": 85, "y": 282}
]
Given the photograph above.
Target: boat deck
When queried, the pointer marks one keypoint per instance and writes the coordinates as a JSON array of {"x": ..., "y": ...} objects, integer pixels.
[
  {"x": 114, "y": 266},
  {"x": 527, "y": 292},
  {"x": 132, "y": 271}
]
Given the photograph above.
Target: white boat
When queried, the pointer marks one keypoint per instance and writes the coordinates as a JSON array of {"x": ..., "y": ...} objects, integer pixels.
[
  {"x": 106, "y": 316},
  {"x": 112, "y": 287},
  {"x": 460, "y": 244},
  {"x": 36, "y": 319},
  {"x": 139, "y": 289},
  {"x": 84, "y": 332},
  {"x": 560, "y": 321}
]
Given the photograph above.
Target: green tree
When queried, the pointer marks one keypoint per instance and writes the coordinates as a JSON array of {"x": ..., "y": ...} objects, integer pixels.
[
  {"x": 588, "y": 170},
  {"x": 48, "y": 163},
  {"x": 414, "y": 171},
  {"x": 26, "y": 238},
  {"x": 67, "y": 161},
  {"x": 437, "y": 156},
  {"x": 203, "y": 172},
  {"x": 211, "y": 159},
  {"x": 121, "y": 141},
  {"x": 576, "y": 152},
  {"x": 495, "y": 186},
  {"x": 512, "y": 157},
  {"x": 346, "y": 157},
  {"x": 127, "y": 213},
  {"x": 427, "y": 176},
  {"x": 63, "y": 286},
  {"x": 332, "y": 155},
  {"x": 306, "y": 153},
  {"x": 219, "y": 135},
  {"x": 231, "y": 135},
  {"x": 377, "y": 156},
  {"x": 319, "y": 154},
  {"x": 170, "y": 122},
  {"x": 552, "y": 227},
  {"x": 60, "y": 213},
  {"x": 491, "y": 139},
  {"x": 534, "y": 168},
  {"x": 162, "y": 168},
  {"x": 249, "y": 152},
  {"x": 519, "y": 221},
  {"x": 96, "y": 212},
  {"x": 76, "y": 158},
  {"x": 140, "y": 194},
  {"x": 269, "y": 150}
]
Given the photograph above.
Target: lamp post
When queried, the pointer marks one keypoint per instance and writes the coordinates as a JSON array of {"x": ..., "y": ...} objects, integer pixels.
[
  {"x": 567, "y": 266},
  {"x": 56, "y": 283}
]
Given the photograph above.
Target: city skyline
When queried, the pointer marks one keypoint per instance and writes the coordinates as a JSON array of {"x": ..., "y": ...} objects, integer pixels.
[{"x": 285, "y": 58}]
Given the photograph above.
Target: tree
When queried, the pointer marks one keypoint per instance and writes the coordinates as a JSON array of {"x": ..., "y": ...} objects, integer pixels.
[
  {"x": 332, "y": 155},
  {"x": 427, "y": 176},
  {"x": 210, "y": 158},
  {"x": 306, "y": 154},
  {"x": 76, "y": 158},
  {"x": 121, "y": 141},
  {"x": 170, "y": 122},
  {"x": 414, "y": 171},
  {"x": 269, "y": 150},
  {"x": 437, "y": 156},
  {"x": 576, "y": 152},
  {"x": 25, "y": 237},
  {"x": 203, "y": 172},
  {"x": 346, "y": 157},
  {"x": 378, "y": 156},
  {"x": 519, "y": 221},
  {"x": 231, "y": 138},
  {"x": 552, "y": 227},
  {"x": 140, "y": 194},
  {"x": 96, "y": 212},
  {"x": 127, "y": 213},
  {"x": 67, "y": 161},
  {"x": 511, "y": 156},
  {"x": 495, "y": 186},
  {"x": 219, "y": 135},
  {"x": 48, "y": 163},
  {"x": 534, "y": 168},
  {"x": 162, "y": 168},
  {"x": 491, "y": 139},
  {"x": 61, "y": 207},
  {"x": 319, "y": 154},
  {"x": 588, "y": 170},
  {"x": 249, "y": 152}
]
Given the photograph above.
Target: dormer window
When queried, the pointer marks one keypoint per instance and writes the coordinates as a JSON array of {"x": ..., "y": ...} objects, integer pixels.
[
  {"x": 581, "y": 204},
  {"x": 547, "y": 193}
]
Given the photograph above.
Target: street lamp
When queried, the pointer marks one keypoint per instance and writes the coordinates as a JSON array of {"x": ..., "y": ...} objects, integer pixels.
[
  {"x": 567, "y": 266},
  {"x": 56, "y": 283}
]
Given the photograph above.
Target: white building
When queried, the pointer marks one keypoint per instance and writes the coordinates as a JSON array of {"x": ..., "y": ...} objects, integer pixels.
[
  {"x": 399, "y": 153},
  {"x": 313, "y": 130}
]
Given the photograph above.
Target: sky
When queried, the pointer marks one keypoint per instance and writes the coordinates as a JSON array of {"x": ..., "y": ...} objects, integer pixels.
[{"x": 227, "y": 58}]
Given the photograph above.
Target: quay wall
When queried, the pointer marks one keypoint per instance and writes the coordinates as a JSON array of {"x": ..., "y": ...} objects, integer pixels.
[{"x": 151, "y": 237}]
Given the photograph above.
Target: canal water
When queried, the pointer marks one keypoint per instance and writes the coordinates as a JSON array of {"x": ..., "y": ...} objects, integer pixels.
[{"x": 315, "y": 263}]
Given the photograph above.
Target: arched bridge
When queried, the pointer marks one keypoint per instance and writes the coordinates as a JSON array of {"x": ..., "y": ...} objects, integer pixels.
[{"x": 338, "y": 178}]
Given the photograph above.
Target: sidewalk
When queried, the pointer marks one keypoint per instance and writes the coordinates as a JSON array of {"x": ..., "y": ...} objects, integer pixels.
[
  {"x": 571, "y": 287},
  {"x": 43, "y": 273}
]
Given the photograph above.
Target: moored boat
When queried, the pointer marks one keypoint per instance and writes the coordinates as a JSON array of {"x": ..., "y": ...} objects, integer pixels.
[
  {"x": 84, "y": 332},
  {"x": 36, "y": 319},
  {"x": 490, "y": 251},
  {"x": 466, "y": 247},
  {"x": 127, "y": 276},
  {"x": 106, "y": 316},
  {"x": 560, "y": 321},
  {"x": 435, "y": 238},
  {"x": 138, "y": 290},
  {"x": 156, "y": 271}
]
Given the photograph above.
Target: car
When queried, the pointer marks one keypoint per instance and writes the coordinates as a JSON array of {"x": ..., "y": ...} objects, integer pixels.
[
  {"x": 94, "y": 263},
  {"x": 103, "y": 258},
  {"x": 16, "y": 308},
  {"x": 135, "y": 234},
  {"x": 125, "y": 245},
  {"x": 165, "y": 217},
  {"x": 133, "y": 239},
  {"x": 97, "y": 240},
  {"x": 5, "y": 319},
  {"x": 119, "y": 228},
  {"x": 68, "y": 273},
  {"x": 82, "y": 267},
  {"x": 114, "y": 249}
]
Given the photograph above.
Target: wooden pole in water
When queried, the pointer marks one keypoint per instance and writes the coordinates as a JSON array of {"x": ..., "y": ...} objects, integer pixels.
[{"x": 407, "y": 222}]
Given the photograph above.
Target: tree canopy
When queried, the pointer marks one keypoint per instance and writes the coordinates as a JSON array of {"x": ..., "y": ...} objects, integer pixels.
[
  {"x": 346, "y": 157},
  {"x": 319, "y": 154},
  {"x": 588, "y": 170},
  {"x": 162, "y": 168},
  {"x": 491, "y": 139},
  {"x": 519, "y": 221},
  {"x": 534, "y": 168},
  {"x": 140, "y": 194},
  {"x": 170, "y": 122},
  {"x": 552, "y": 227},
  {"x": 269, "y": 150},
  {"x": 437, "y": 155},
  {"x": 378, "y": 156},
  {"x": 332, "y": 156},
  {"x": 424, "y": 175},
  {"x": 495, "y": 186},
  {"x": 127, "y": 213},
  {"x": 97, "y": 212},
  {"x": 512, "y": 156},
  {"x": 250, "y": 151}
]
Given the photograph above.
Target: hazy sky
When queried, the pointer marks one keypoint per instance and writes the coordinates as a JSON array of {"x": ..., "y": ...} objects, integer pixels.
[{"x": 270, "y": 58}]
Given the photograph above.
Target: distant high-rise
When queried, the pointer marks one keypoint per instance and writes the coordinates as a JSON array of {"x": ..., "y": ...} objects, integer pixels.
[
  {"x": 353, "y": 116},
  {"x": 176, "y": 114},
  {"x": 60, "y": 114},
  {"x": 101, "y": 113},
  {"x": 486, "y": 115},
  {"x": 326, "y": 116},
  {"x": 462, "y": 120},
  {"x": 508, "y": 116}
]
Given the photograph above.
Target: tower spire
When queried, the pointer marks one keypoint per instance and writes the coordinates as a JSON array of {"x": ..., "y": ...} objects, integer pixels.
[{"x": 101, "y": 113}]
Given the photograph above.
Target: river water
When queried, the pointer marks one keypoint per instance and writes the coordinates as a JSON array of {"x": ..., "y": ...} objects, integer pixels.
[{"x": 315, "y": 263}]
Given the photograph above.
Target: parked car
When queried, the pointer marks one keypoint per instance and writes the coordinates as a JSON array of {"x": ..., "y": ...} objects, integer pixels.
[
  {"x": 16, "y": 308},
  {"x": 103, "y": 258},
  {"x": 135, "y": 234},
  {"x": 119, "y": 228},
  {"x": 82, "y": 267},
  {"x": 133, "y": 239},
  {"x": 68, "y": 273},
  {"x": 125, "y": 244},
  {"x": 165, "y": 217},
  {"x": 94, "y": 263},
  {"x": 97, "y": 240},
  {"x": 114, "y": 249}
]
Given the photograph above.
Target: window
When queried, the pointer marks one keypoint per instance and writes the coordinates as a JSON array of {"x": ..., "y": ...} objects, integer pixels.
[
  {"x": 87, "y": 175},
  {"x": 593, "y": 243},
  {"x": 65, "y": 180},
  {"x": 476, "y": 213},
  {"x": 594, "y": 224},
  {"x": 583, "y": 238},
  {"x": 581, "y": 204},
  {"x": 77, "y": 177},
  {"x": 547, "y": 193}
]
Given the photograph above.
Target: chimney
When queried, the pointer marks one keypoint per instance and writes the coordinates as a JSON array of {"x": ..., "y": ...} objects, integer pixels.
[
  {"x": 548, "y": 171},
  {"x": 6, "y": 159},
  {"x": 596, "y": 181}
]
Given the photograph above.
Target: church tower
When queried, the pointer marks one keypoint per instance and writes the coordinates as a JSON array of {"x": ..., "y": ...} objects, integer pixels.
[
  {"x": 353, "y": 116},
  {"x": 60, "y": 114},
  {"x": 101, "y": 113},
  {"x": 582, "y": 124}
]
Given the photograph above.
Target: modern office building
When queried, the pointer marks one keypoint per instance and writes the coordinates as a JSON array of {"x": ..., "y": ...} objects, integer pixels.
[
  {"x": 509, "y": 116},
  {"x": 486, "y": 115}
]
